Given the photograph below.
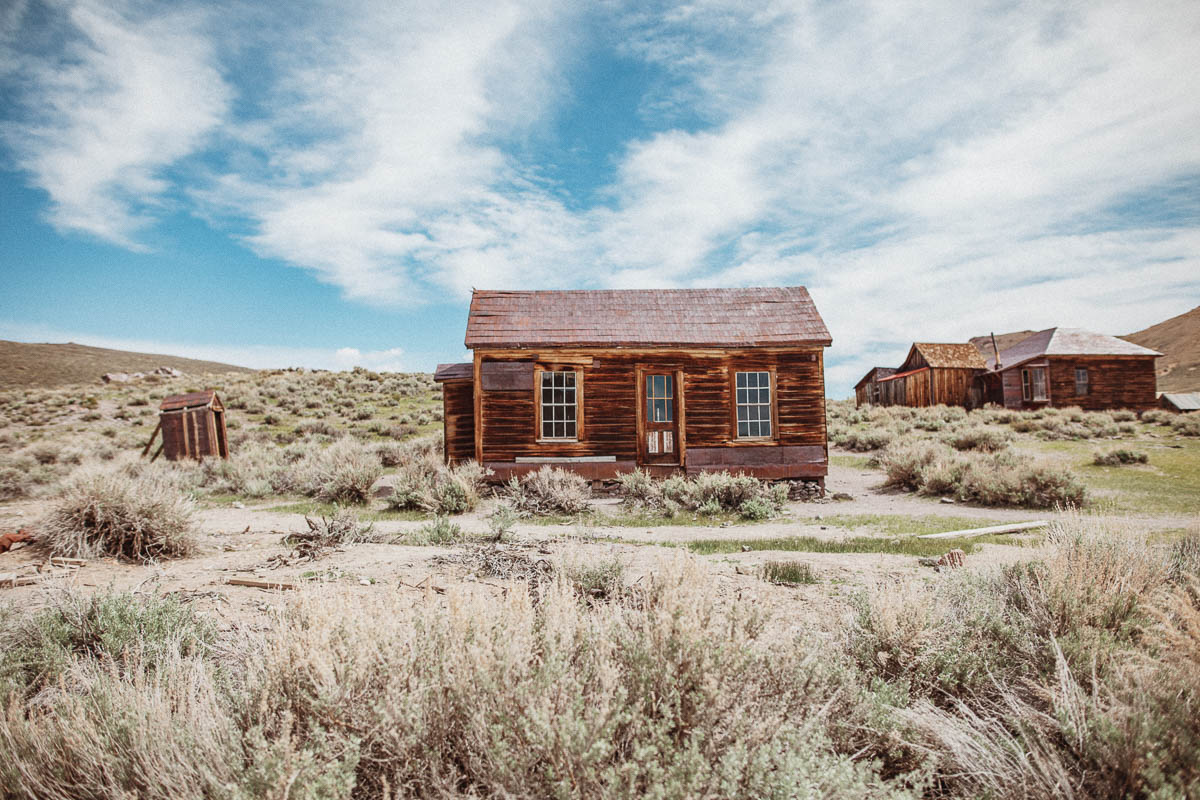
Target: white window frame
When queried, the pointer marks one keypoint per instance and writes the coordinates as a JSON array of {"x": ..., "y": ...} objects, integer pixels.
[
  {"x": 758, "y": 406},
  {"x": 574, "y": 405}
]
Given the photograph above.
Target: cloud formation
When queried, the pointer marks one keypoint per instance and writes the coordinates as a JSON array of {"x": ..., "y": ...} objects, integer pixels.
[{"x": 929, "y": 170}]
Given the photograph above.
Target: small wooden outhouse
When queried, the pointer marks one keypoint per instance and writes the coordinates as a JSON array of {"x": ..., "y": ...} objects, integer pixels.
[{"x": 192, "y": 425}]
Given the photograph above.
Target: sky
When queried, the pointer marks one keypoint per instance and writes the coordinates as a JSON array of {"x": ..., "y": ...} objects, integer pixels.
[{"x": 322, "y": 184}]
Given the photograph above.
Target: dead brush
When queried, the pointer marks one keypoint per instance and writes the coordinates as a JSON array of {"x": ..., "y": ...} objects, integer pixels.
[
  {"x": 141, "y": 518},
  {"x": 327, "y": 533}
]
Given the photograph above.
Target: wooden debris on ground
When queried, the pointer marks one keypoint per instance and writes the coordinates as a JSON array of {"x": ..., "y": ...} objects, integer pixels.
[
  {"x": 952, "y": 560},
  {"x": 7, "y": 540},
  {"x": 1015, "y": 527},
  {"x": 260, "y": 584},
  {"x": 41, "y": 571}
]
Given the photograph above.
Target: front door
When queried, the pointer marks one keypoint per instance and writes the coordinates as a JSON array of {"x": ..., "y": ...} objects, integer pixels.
[{"x": 660, "y": 418}]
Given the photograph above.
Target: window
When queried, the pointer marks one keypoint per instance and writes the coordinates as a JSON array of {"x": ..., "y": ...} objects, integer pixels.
[
  {"x": 753, "y": 404},
  {"x": 1033, "y": 384},
  {"x": 660, "y": 391},
  {"x": 1081, "y": 381},
  {"x": 558, "y": 405}
]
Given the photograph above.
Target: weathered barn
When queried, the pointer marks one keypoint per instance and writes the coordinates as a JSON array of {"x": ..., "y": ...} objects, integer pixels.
[
  {"x": 1177, "y": 401},
  {"x": 603, "y": 382},
  {"x": 192, "y": 425},
  {"x": 1072, "y": 367},
  {"x": 935, "y": 374},
  {"x": 867, "y": 391}
]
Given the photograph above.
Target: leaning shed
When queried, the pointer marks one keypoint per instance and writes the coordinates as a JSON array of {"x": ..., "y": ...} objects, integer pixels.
[
  {"x": 1180, "y": 401},
  {"x": 867, "y": 390},
  {"x": 603, "y": 382},
  {"x": 1073, "y": 367},
  {"x": 935, "y": 374},
  {"x": 192, "y": 425}
]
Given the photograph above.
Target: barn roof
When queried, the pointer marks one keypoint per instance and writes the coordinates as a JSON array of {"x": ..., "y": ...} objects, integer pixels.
[
  {"x": 454, "y": 372},
  {"x": 1187, "y": 401},
  {"x": 174, "y": 402},
  {"x": 946, "y": 355},
  {"x": 875, "y": 374},
  {"x": 1068, "y": 342},
  {"x": 630, "y": 317}
]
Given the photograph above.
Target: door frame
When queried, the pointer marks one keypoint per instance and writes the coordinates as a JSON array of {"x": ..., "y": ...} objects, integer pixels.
[{"x": 639, "y": 395}]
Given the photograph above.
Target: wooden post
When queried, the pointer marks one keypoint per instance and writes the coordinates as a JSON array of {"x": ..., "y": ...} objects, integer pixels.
[{"x": 153, "y": 435}]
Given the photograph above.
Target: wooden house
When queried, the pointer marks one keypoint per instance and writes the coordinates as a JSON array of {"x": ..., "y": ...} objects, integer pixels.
[
  {"x": 1072, "y": 367},
  {"x": 670, "y": 381},
  {"x": 1183, "y": 402},
  {"x": 867, "y": 390},
  {"x": 192, "y": 425},
  {"x": 935, "y": 374}
]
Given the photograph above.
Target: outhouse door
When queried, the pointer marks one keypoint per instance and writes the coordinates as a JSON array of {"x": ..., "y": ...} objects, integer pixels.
[{"x": 659, "y": 413}]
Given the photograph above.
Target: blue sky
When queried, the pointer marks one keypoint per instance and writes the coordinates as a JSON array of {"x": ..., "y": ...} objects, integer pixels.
[{"x": 324, "y": 186}]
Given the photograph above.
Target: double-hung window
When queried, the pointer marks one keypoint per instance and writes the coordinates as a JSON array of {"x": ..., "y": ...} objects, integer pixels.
[
  {"x": 1081, "y": 381},
  {"x": 1033, "y": 384},
  {"x": 753, "y": 400},
  {"x": 559, "y": 395}
]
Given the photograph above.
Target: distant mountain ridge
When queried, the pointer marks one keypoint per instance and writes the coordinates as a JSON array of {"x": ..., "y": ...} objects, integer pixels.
[
  {"x": 1178, "y": 339},
  {"x": 25, "y": 364}
]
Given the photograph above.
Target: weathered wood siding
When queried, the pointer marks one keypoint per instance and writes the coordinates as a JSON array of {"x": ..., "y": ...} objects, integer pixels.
[
  {"x": 192, "y": 433},
  {"x": 610, "y": 402},
  {"x": 1113, "y": 382},
  {"x": 458, "y": 408}
]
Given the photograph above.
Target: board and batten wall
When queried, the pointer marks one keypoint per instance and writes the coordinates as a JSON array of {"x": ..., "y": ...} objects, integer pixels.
[{"x": 504, "y": 412}]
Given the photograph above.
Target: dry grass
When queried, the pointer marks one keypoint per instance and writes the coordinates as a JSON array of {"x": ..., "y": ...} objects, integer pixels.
[{"x": 549, "y": 491}]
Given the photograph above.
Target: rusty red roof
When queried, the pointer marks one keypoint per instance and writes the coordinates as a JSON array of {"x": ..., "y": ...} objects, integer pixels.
[
  {"x": 1068, "y": 342},
  {"x": 902, "y": 374},
  {"x": 174, "y": 402},
  {"x": 454, "y": 372},
  {"x": 631, "y": 317}
]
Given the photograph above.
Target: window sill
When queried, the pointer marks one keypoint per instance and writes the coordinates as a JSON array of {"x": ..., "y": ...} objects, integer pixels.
[
  {"x": 762, "y": 440},
  {"x": 556, "y": 441}
]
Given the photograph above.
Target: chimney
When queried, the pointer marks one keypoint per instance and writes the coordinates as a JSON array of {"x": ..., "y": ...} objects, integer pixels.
[{"x": 995, "y": 350}]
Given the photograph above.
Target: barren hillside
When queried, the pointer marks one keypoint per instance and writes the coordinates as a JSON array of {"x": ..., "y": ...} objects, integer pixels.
[
  {"x": 1178, "y": 339},
  {"x": 48, "y": 365}
]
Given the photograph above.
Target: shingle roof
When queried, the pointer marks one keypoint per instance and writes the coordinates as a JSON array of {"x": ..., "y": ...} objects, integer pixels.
[
  {"x": 1068, "y": 342},
  {"x": 941, "y": 355},
  {"x": 454, "y": 372},
  {"x": 630, "y": 317},
  {"x": 875, "y": 374},
  {"x": 175, "y": 402}
]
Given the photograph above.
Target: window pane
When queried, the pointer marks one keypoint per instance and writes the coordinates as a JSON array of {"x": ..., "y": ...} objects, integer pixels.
[
  {"x": 741, "y": 396},
  {"x": 670, "y": 386},
  {"x": 766, "y": 428},
  {"x": 570, "y": 429},
  {"x": 547, "y": 429},
  {"x": 741, "y": 379},
  {"x": 660, "y": 411},
  {"x": 569, "y": 379},
  {"x": 743, "y": 413},
  {"x": 743, "y": 429},
  {"x": 569, "y": 413}
]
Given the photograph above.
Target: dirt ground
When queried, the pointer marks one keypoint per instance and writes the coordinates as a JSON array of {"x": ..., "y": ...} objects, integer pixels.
[{"x": 248, "y": 543}]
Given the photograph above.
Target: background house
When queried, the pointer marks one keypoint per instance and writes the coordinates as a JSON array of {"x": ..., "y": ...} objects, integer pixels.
[
  {"x": 935, "y": 374},
  {"x": 1073, "y": 367},
  {"x": 866, "y": 391},
  {"x": 602, "y": 382}
]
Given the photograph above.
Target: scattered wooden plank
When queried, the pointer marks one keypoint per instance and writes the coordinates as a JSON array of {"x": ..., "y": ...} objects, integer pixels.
[
  {"x": 12, "y": 581},
  {"x": 63, "y": 561},
  {"x": 260, "y": 584},
  {"x": 1016, "y": 527}
]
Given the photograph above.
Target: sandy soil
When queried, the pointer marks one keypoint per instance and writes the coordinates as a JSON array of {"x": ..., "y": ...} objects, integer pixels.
[{"x": 248, "y": 543}]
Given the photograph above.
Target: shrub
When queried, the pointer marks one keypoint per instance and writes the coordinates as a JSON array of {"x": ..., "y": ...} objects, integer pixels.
[
  {"x": 1123, "y": 415},
  {"x": 1158, "y": 416},
  {"x": 1187, "y": 424},
  {"x": 984, "y": 439},
  {"x": 788, "y": 572},
  {"x": 425, "y": 483},
  {"x": 439, "y": 532},
  {"x": 342, "y": 473},
  {"x": 115, "y": 629},
  {"x": 549, "y": 491},
  {"x": 905, "y": 463},
  {"x": 603, "y": 580},
  {"x": 709, "y": 493},
  {"x": 110, "y": 513},
  {"x": 867, "y": 439},
  {"x": 1120, "y": 456}
]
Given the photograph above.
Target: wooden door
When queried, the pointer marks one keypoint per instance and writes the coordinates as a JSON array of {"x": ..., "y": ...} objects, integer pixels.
[{"x": 659, "y": 413}]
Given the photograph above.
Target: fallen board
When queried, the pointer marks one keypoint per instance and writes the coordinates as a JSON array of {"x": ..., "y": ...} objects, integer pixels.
[
  {"x": 1016, "y": 527},
  {"x": 259, "y": 584}
]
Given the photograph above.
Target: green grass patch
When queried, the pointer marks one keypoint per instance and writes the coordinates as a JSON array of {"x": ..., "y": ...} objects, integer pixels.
[
  {"x": 792, "y": 573},
  {"x": 904, "y": 525},
  {"x": 854, "y": 462},
  {"x": 910, "y": 546},
  {"x": 313, "y": 508},
  {"x": 635, "y": 519}
]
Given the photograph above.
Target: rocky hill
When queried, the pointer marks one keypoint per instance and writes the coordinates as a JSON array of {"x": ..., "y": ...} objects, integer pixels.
[{"x": 24, "y": 364}]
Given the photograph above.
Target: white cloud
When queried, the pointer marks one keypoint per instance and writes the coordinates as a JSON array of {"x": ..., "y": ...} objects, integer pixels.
[{"x": 128, "y": 98}]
